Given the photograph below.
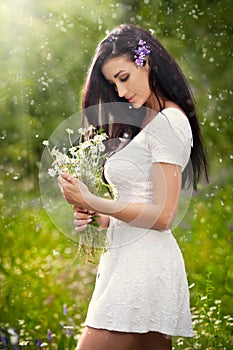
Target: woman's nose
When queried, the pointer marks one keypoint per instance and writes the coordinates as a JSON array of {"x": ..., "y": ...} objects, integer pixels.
[{"x": 121, "y": 90}]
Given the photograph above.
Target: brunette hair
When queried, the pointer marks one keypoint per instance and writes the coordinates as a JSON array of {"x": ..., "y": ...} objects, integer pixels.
[{"x": 166, "y": 81}]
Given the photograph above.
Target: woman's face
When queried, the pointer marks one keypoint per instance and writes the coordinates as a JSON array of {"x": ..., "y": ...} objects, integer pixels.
[{"x": 129, "y": 80}]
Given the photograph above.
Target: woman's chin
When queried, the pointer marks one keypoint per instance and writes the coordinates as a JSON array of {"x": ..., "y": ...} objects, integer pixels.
[{"x": 136, "y": 105}]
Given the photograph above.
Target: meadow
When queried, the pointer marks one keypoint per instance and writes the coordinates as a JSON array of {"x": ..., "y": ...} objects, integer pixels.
[{"x": 46, "y": 283}]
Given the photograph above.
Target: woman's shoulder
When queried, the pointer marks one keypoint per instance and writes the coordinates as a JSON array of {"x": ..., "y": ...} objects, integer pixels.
[
  {"x": 173, "y": 116},
  {"x": 169, "y": 122},
  {"x": 174, "y": 112}
]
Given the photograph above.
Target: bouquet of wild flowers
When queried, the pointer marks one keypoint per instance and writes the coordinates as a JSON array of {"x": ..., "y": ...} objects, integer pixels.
[{"x": 84, "y": 161}]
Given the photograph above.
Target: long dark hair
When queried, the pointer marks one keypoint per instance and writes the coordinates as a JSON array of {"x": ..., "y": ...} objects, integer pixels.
[{"x": 166, "y": 81}]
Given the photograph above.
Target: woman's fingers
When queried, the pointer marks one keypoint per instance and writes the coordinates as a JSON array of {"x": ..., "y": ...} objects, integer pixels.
[
  {"x": 80, "y": 228},
  {"x": 82, "y": 217},
  {"x": 78, "y": 222},
  {"x": 82, "y": 210},
  {"x": 73, "y": 190},
  {"x": 80, "y": 225},
  {"x": 68, "y": 177},
  {"x": 79, "y": 215},
  {"x": 81, "y": 220}
]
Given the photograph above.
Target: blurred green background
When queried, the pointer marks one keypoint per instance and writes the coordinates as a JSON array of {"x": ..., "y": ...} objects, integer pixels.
[{"x": 46, "y": 48}]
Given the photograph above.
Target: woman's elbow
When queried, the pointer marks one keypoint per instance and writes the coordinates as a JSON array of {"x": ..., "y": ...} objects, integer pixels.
[{"x": 165, "y": 221}]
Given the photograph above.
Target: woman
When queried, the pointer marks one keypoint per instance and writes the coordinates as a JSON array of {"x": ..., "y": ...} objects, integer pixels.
[{"x": 141, "y": 296}]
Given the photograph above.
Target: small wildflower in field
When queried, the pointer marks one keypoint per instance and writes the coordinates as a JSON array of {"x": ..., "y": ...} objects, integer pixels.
[
  {"x": 21, "y": 322},
  {"x": 55, "y": 253},
  {"x": 23, "y": 342},
  {"x": 14, "y": 338},
  {"x": 65, "y": 309},
  {"x": 43, "y": 345},
  {"x": 180, "y": 341},
  {"x": 49, "y": 335}
]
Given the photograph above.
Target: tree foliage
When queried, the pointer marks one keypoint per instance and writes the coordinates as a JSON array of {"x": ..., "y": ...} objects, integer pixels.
[{"x": 46, "y": 48}]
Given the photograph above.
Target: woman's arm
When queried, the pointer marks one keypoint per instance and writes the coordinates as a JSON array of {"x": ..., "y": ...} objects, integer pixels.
[{"x": 159, "y": 214}]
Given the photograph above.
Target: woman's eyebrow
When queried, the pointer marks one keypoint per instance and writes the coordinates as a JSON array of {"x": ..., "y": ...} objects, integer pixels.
[{"x": 116, "y": 75}]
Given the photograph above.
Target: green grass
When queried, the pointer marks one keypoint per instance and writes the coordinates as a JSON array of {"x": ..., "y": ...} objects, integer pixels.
[
  {"x": 40, "y": 273},
  {"x": 46, "y": 285},
  {"x": 212, "y": 329}
]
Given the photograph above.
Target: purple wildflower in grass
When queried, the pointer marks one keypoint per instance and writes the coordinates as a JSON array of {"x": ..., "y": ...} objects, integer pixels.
[
  {"x": 49, "y": 335},
  {"x": 4, "y": 340},
  {"x": 38, "y": 343},
  {"x": 68, "y": 330},
  {"x": 65, "y": 309}
]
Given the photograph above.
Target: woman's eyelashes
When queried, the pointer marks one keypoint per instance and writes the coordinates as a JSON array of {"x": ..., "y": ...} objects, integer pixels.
[
  {"x": 122, "y": 79},
  {"x": 125, "y": 78}
]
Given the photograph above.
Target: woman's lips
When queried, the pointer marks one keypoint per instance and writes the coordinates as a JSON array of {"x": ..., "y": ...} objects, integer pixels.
[{"x": 131, "y": 99}]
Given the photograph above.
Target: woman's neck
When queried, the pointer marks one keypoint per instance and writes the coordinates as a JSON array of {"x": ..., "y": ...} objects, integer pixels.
[
  {"x": 154, "y": 107},
  {"x": 155, "y": 103}
]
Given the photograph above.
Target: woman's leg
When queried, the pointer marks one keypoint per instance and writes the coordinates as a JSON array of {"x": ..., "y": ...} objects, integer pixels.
[
  {"x": 101, "y": 339},
  {"x": 153, "y": 341}
]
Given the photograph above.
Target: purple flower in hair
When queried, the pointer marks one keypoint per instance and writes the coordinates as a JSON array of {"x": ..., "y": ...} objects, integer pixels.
[{"x": 141, "y": 52}]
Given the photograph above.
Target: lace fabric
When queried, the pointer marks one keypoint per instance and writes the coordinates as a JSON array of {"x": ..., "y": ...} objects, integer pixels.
[{"x": 141, "y": 283}]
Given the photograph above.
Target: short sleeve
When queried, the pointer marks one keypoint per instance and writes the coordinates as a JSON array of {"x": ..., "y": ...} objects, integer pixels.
[{"x": 169, "y": 138}]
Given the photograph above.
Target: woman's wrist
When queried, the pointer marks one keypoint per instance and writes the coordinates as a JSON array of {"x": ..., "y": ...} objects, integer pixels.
[
  {"x": 102, "y": 205},
  {"x": 93, "y": 202},
  {"x": 103, "y": 221}
]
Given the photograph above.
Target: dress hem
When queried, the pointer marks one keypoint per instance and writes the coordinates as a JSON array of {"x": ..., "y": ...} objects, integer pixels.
[{"x": 162, "y": 331}]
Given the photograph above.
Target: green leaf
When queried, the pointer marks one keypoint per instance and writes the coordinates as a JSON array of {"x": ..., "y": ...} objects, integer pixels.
[
  {"x": 72, "y": 343},
  {"x": 62, "y": 343}
]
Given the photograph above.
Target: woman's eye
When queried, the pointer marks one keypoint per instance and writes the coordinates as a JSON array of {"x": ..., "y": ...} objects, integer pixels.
[{"x": 124, "y": 78}]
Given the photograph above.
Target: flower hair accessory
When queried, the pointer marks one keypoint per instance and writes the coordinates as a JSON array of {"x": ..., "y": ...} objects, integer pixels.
[{"x": 141, "y": 52}]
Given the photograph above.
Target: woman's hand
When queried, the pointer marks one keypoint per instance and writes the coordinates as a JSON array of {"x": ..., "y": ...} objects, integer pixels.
[
  {"x": 74, "y": 191},
  {"x": 83, "y": 217}
]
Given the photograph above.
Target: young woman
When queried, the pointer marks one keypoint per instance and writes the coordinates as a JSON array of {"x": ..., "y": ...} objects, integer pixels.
[{"x": 141, "y": 296}]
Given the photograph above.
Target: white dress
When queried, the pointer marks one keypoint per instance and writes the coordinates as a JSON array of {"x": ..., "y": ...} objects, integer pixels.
[{"x": 141, "y": 282}]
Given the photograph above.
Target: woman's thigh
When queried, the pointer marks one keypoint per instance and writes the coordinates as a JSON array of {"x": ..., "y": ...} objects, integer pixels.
[
  {"x": 101, "y": 339},
  {"x": 153, "y": 341}
]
